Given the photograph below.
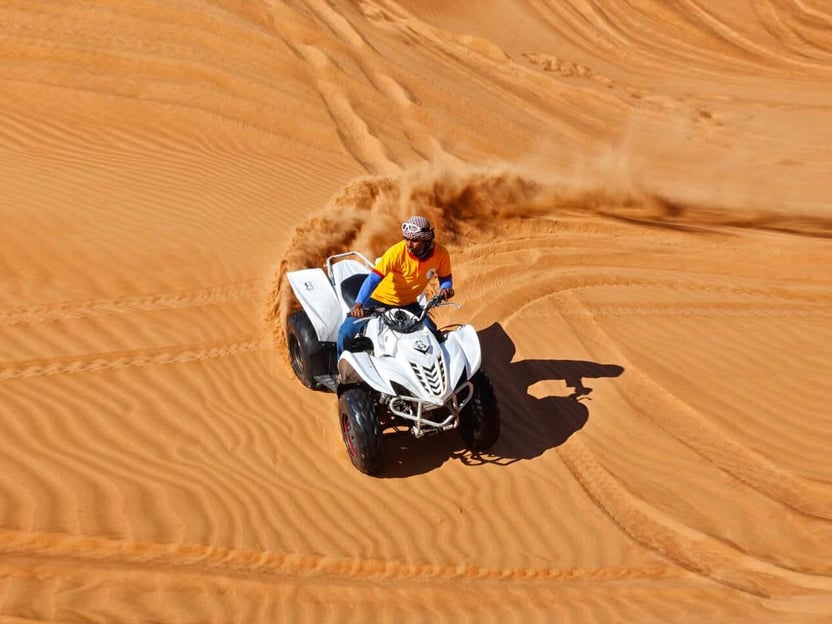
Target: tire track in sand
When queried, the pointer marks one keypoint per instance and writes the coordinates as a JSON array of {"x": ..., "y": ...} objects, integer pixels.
[
  {"x": 691, "y": 428},
  {"x": 669, "y": 412},
  {"x": 199, "y": 558},
  {"x": 356, "y": 136},
  {"x": 339, "y": 90},
  {"x": 701, "y": 13},
  {"x": 71, "y": 310},
  {"x": 128, "y": 359},
  {"x": 687, "y": 547}
]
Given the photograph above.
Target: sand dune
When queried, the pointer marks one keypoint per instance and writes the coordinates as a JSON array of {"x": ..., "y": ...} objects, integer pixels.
[{"x": 635, "y": 196}]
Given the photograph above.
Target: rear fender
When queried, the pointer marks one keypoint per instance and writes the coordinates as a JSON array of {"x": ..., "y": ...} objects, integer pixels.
[{"x": 314, "y": 292}]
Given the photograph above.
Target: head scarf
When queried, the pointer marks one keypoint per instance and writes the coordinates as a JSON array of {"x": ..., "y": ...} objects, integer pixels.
[{"x": 417, "y": 229}]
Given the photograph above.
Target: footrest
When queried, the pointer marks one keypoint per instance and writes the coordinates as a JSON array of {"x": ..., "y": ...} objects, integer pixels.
[{"x": 328, "y": 381}]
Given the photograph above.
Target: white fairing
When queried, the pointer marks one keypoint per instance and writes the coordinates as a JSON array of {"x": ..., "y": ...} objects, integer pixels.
[
  {"x": 417, "y": 361},
  {"x": 315, "y": 293}
]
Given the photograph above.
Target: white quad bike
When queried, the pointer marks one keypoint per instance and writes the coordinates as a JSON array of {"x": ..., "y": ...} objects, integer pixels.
[{"x": 397, "y": 373}]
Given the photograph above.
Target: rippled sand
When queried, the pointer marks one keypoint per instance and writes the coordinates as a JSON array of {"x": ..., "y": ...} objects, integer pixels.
[{"x": 636, "y": 197}]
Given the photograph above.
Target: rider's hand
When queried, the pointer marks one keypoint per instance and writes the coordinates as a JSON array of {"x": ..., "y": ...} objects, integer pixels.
[
  {"x": 446, "y": 293},
  {"x": 357, "y": 310}
]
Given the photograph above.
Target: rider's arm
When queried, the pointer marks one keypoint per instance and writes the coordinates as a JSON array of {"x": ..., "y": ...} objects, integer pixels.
[
  {"x": 370, "y": 282},
  {"x": 446, "y": 282},
  {"x": 446, "y": 287}
]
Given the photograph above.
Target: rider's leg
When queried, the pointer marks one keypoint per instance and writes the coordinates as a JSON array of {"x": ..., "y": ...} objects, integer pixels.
[{"x": 348, "y": 330}]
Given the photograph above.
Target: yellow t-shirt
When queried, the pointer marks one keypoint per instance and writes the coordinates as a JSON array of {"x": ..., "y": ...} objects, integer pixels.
[{"x": 404, "y": 276}]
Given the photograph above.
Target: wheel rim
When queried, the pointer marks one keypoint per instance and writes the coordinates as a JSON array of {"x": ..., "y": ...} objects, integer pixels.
[
  {"x": 295, "y": 355},
  {"x": 348, "y": 434}
]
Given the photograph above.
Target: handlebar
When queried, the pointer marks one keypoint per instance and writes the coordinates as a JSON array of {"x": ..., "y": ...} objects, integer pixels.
[{"x": 436, "y": 300}]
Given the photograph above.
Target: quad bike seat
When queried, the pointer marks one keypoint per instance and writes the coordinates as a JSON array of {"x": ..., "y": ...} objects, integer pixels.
[{"x": 350, "y": 287}]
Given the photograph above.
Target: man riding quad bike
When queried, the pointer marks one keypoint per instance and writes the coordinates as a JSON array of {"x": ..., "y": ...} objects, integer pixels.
[{"x": 394, "y": 368}]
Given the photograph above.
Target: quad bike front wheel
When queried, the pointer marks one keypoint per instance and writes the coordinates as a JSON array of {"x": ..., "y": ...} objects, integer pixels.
[
  {"x": 361, "y": 430},
  {"x": 479, "y": 421}
]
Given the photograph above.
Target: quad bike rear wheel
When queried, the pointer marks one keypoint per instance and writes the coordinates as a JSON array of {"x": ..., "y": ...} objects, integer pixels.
[
  {"x": 306, "y": 352},
  {"x": 361, "y": 430},
  {"x": 479, "y": 421}
]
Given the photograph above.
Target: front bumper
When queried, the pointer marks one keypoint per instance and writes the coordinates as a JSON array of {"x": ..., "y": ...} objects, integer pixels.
[{"x": 417, "y": 410}]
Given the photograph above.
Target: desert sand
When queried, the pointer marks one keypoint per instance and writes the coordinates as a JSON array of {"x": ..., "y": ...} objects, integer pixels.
[{"x": 636, "y": 199}]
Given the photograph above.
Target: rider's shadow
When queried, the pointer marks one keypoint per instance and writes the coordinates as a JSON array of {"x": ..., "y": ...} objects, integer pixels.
[
  {"x": 532, "y": 425},
  {"x": 529, "y": 425}
]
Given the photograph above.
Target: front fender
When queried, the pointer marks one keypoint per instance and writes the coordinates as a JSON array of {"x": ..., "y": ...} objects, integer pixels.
[
  {"x": 358, "y": 367},
  {"x": 463, "y": 347}
]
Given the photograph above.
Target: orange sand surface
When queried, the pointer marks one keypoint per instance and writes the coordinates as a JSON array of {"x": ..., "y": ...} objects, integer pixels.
[{"x": 636, "y": 196}]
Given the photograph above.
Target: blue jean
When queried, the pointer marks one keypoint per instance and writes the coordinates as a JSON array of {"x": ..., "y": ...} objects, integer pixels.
[{"x": 351, "y": 326}]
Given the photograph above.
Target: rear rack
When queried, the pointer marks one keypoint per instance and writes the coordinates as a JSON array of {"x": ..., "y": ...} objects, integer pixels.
[{"x": 346, "y": 254}]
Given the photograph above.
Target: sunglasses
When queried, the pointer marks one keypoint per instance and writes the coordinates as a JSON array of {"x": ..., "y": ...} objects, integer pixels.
[{"x": 410, "y": 229}]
